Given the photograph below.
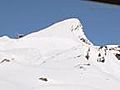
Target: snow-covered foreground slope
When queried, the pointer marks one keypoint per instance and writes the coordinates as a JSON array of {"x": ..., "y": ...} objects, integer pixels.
[{"x": 59, "y": 57}]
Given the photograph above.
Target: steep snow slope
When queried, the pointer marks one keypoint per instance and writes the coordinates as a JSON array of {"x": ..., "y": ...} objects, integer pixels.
[
  {"x": 66, "y": 33},
  {"x": 70, "y": 28},
  {"x": 59, "y": 57}
]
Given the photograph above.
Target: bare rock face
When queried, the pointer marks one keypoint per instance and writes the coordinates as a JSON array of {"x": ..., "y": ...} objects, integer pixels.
[{"x": 118, "y": 56}]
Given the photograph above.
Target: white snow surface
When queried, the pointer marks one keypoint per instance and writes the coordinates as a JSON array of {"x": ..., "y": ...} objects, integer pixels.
[{"x": 59, "y": 57}]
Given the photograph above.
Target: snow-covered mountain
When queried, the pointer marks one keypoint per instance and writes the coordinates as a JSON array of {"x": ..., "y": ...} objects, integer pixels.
[{"x": 59, "y": 57}]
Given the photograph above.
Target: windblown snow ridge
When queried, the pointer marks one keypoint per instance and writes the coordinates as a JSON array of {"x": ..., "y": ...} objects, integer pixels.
[{"x": 70, "y": 28}]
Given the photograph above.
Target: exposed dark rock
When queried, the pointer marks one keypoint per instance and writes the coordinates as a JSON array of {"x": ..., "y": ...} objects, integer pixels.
[
  {"x": 99, "y": 55},
  {"x": 5, "y": 60},
  {"x": 87, "y": 56},
  {"x": 81, "y": 67},
  {"x": 77, "y": 27},
  {"x": 83, "y": 39},
  {"x": 20, "y": 36},
  {"x": 101, "y": 47},
  {"x": 43, "y": 79},
  {"x": 87, "y": 64},
  {"x": 118, "y": 56},
  {"x": 79, "y": 56},
  {"x": 118, "y": 46},
  {"x": 102, "y": 59}
]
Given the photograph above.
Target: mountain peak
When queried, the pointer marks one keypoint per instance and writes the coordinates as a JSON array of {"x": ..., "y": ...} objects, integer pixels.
[
  {"x": 69, "y": 28},
  {"x": 58, "y": 57}
]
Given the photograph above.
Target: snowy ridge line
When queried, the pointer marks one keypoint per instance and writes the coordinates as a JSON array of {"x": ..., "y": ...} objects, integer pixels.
[{"x": 70, "y": 28}]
